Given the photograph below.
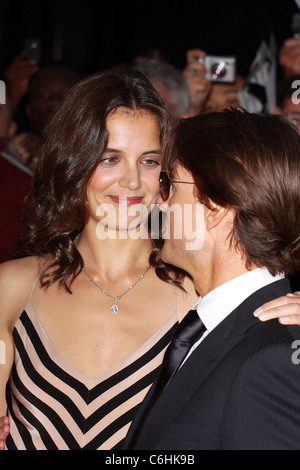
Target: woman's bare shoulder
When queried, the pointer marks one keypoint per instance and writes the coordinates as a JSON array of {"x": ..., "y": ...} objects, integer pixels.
[
  {"x": 19, "y": 270},
  {"x": 16, "y": 280}
]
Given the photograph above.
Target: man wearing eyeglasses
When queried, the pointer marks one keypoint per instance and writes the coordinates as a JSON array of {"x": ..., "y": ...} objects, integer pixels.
[{"x": 236, "y": 385}]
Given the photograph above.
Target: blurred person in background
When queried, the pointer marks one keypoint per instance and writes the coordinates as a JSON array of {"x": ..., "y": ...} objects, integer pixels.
[
  {"x": 208, "y": 95},
  {"x": 34, "y": 94},
  {"x": 169, "y": 83},
  {"x": 195, "y": 75}
]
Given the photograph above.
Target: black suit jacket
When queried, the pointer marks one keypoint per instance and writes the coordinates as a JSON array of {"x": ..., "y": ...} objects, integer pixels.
[{"x": 240, "y": 389}]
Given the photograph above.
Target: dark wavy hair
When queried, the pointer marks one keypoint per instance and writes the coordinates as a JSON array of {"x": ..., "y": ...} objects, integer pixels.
[
  {"x": 252, "y": 164},
  {"x": 74, "y": 141}
]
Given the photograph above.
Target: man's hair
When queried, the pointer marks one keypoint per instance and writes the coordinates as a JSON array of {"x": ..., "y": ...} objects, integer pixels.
[{"x": 250, "y": 163}]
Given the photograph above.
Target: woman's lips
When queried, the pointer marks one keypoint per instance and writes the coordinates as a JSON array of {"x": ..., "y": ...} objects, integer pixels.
[{"x": 126, "y": 200}]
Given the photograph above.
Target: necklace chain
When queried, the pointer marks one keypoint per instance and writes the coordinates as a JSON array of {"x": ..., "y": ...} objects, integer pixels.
[{"x": 115, "y": 308}]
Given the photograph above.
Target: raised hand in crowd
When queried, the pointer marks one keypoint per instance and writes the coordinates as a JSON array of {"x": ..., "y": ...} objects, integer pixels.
[{"x": 195, "y": 75}]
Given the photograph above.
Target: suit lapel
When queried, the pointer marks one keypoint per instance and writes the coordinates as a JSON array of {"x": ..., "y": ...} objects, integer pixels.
[
  {"x": 186, "y": 382},
  {"x": 202, "y": 362}
]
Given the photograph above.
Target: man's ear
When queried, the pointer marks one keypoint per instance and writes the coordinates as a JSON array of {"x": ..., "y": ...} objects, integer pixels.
[{"x": 215, "y": 214}]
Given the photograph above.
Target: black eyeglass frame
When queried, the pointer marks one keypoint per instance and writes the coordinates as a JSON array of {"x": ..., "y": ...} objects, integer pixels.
[{"x": 165, "y": 184}]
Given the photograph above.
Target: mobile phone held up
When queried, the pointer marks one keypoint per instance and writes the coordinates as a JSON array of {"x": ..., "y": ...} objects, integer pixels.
[{"x": 33, "y": 49}]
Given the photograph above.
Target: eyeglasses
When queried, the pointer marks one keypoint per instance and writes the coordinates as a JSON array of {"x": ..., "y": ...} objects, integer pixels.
[{"x": 165, "y": 184}]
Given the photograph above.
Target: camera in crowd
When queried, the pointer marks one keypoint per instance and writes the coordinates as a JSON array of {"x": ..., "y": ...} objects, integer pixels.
[{"x": 219, "y": 69}]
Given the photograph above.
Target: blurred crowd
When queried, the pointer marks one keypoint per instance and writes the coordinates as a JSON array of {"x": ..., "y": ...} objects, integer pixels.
[{"x": 32, "y": 93}]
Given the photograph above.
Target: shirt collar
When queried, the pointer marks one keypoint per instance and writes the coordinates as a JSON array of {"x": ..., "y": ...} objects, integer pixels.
[{"x": 220, "y": 302}]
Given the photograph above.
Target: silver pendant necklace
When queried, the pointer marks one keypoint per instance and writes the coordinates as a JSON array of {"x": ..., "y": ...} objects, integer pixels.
[{"x": 114, "y": 308}]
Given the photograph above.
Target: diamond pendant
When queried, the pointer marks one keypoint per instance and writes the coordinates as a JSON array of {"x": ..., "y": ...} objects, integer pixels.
[{"x": 114, "y": 308}]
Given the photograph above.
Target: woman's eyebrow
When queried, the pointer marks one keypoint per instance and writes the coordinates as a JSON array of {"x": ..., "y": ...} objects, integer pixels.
[
  {"x": 112, "y": 150},
  {"x": 156, "y": 151}
]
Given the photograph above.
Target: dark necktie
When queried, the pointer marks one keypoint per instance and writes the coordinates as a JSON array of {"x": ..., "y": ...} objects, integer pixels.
[{"x": 188, "y": 332}]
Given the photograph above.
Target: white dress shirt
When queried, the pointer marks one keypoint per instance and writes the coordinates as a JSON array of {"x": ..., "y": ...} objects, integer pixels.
[{"x": 215, "y": 306}]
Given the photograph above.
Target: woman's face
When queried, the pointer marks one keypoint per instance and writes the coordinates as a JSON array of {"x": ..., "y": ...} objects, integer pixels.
[{"x": 125, "y": 183}]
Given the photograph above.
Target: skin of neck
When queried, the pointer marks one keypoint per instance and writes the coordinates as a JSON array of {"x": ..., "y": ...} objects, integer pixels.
[
  {"x": 221, "y": 268},
  {"x": 219, "y": 261},
  {"x": 113, "y": 257}
]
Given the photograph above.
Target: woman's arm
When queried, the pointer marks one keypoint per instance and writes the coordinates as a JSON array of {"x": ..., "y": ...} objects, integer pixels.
[
  {"x": 16, "y": 279},
  {"x": 6, "y": 356}
]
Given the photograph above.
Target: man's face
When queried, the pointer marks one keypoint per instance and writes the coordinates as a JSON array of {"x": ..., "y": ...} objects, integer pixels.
[{"x": 184, "y": 221}]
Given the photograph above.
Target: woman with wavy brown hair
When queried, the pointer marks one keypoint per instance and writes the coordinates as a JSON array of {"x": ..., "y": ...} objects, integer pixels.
[
  {"x": 97, "y": 314},
  {"x": 86, "y": 317}
]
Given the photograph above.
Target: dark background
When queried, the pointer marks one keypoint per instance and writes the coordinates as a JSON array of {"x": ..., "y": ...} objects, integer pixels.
[{"x": 89, "y": 35}]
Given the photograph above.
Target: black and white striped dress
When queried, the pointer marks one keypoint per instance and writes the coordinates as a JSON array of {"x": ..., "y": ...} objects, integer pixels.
[{"x": 52, "y": 405}]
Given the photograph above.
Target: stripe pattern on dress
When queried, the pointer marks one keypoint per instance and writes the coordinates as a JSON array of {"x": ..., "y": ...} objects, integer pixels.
[{"x": 53, "y": 406}]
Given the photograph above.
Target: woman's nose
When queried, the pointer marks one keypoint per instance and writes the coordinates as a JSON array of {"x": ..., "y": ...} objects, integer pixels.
[{"x": 130, "y": 178}]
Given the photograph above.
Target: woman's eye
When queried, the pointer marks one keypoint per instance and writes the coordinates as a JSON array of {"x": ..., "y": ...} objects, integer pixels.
[
  {"x": 109, "y": 160},
  {"x": 150, "y": 162}
]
